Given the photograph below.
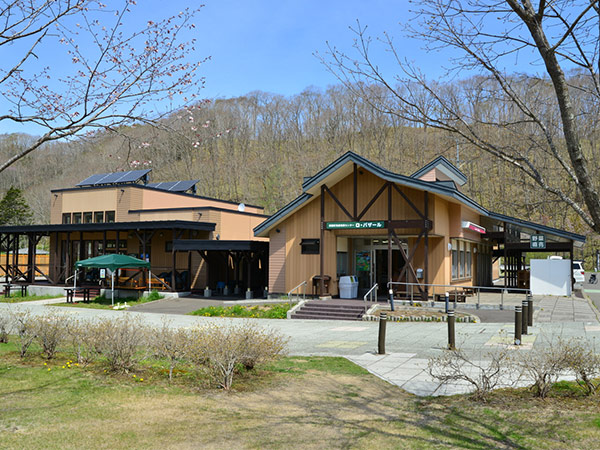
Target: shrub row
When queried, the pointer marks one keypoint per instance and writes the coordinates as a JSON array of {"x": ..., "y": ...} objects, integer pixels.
[
  {"x": 542, "y": 366},
  {"x": 123, "y": 343}
]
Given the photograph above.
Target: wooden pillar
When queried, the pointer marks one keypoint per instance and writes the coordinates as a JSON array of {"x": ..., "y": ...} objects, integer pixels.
[
  {"x": 189, "y": 277},
  {"x": 249, "y": 259},
  {"x": 56, "y": 259},
  {"x": 117, "y": 241},
  {"x": 504, "y": 253},
  {"x": 33, "y": 256},
  {"x": 570, "y": 268},
  {"x": 173, "y": 259},
  {"x": 7, "y": 258},
  {"x": 104, "y": 242},
  {"x": 426, "y": 243},
  {"x": 15, "y": 270},
  {"x": 355, "y": 212},
  {"x": 390, "y": 261},
  {"x": 68, "y": 256},
  {"x": 322, "y": 243}
]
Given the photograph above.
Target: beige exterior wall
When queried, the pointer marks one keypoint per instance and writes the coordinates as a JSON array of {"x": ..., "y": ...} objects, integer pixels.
[
  {"x": 153, "y": 199},
  {"x": 231, "y": 224}
]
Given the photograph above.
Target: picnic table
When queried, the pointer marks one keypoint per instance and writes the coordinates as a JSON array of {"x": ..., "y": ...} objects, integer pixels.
[
  {"x": 71, "y": 294},
  {"x": 8, "y": 287}
]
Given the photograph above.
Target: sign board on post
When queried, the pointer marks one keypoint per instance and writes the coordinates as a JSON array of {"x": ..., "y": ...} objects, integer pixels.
[
  {"x": 537, "y": 241},
  {"x": 373, "y": 224},
  {"x": 102, "y": 274}
]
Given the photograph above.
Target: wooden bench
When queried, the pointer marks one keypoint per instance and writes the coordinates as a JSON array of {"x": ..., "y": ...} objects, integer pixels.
[
  {"x": 8, "y": 287},
  {"x": 454, "y": 296}
]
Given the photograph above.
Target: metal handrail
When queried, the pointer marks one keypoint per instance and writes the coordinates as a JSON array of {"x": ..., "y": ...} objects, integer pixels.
[
  {"x": 370, "y": 293},
  {"x": 503, "y": 289},
  {"x": 298, "y": 294}
]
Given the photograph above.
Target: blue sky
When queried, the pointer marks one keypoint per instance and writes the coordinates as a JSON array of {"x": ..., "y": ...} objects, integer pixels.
[
  {"x": 265, "y": 45},
  {"x": 269, "y": 45}
]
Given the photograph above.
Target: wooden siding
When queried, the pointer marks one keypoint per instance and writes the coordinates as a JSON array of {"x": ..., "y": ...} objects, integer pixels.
[
  {"x": 305, "y": 222},
  {"x": 277, "y": 253}
]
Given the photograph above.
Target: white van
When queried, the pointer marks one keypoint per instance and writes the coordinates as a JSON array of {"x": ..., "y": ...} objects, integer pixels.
[{"x": 578, "y": 272}]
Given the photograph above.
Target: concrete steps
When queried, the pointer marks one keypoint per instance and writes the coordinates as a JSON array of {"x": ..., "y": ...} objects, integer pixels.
[{"x": 329, "y": 310}]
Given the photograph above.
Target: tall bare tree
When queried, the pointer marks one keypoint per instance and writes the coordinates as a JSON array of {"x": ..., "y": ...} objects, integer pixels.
[
  {"x": 537, "y": 119},
  {"x": 71, "y": 66}
]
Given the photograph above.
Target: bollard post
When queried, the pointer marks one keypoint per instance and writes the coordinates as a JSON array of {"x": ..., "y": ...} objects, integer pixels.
[
  {"x": 478, "y": 297},
  {"x": 518, "y": 325},
  {"x": 382, "y": 324},
  {"x": 391, "y": 292},
  {"x": 451, "y": 339},
  {"x": 525, "y": 317},
  {"x": 502, "y": 299},
  {"x": 529, "y": 310},
  {"x": 447, "y": 295}
]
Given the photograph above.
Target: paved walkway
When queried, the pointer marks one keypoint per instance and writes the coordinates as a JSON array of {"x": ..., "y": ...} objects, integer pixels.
[{"x": 409, "y": 344}]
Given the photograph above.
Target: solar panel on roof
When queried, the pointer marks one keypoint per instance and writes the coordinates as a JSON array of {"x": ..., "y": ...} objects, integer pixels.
[
  {"x": 130, "y": 176},
  {"x": 174, "y": 186},
  {"x": 90, "y": 180}
]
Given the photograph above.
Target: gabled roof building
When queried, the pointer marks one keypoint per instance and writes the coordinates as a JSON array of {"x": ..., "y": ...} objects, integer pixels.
[{"x": 357, "y": 218}]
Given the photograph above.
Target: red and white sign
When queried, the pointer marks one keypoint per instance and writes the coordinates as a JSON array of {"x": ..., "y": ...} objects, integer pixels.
[{"x": 473, "y": 227}]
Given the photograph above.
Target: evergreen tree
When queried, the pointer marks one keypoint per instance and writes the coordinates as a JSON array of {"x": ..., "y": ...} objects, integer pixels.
[{"x": 14, "y": 209}]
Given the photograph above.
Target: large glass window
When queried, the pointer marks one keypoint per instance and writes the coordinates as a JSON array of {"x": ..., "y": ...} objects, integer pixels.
[
  {"x": 469, "y": 260},
  {"x": 462, "y": 259},
  {"x": 461, "y": 267},
  {"x": 454, "y": 259},
  {"x": 99, "y": 216},
  {"x": 66, "y": 218},
  {"x": 110, "y": 216},
  {"x": 87, "y": 217},
  {"x": 77, "y": 217}
]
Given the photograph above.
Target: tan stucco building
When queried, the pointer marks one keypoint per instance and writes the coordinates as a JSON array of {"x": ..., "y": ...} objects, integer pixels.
[{"x": 191, "y": 241}]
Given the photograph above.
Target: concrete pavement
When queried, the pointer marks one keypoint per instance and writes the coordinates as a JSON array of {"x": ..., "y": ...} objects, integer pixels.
[{"x": 409, "y": 344}]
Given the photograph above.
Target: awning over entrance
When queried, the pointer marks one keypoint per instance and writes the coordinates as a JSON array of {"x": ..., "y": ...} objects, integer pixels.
[{"x": 211, "y": 245}]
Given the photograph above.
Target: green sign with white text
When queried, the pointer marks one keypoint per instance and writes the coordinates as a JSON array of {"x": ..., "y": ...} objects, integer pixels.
[
  {"x": 366, "y": 225},
  {"x": 537, "y": 241}
]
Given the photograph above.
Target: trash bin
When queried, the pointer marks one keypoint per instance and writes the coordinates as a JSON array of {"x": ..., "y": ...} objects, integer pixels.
[{"x": 348, "y": 286}]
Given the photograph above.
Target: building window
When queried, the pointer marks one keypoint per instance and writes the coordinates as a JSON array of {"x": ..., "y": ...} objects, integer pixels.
[
  {"x": 461, "y": 259},
  {"x": 454, "y": 259},
  {"x": 461, "y": 267},
  {"x": 469, "y": 260},
  {"x": 87, "y": 217},
  {"x": 66, "y": 218},
  {"x": 110, "y": 216},
  {"x": 310, "y": 246},
  {"x": 99, "y": 216},
  {"x": 77, "y": 217}
]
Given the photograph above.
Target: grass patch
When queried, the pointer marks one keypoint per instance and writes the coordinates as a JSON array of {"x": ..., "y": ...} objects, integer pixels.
[
  {"x": 103, "y": 302},
  {"x": 273, "y": 311},
  {"x": 314, "y": 402},
  {"x": 17, "y": 298}
]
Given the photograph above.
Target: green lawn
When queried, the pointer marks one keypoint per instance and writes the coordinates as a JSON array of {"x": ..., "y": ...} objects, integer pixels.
[
  {"x": 17, "y": 298},
  {"x": 299, "y": 402},
  {"x": 106, "y": 302},
  {"x": 272, "y": 311}
]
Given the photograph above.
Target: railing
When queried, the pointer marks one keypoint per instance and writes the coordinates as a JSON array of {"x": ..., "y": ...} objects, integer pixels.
[
  {"x": 370, "y": 293},
  {"x": 453, "y": 290},
  {"x": 298, "y": 293}
]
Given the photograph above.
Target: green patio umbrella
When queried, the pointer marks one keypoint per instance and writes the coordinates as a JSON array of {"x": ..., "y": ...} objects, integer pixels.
[{"x": 113, "y": 262}]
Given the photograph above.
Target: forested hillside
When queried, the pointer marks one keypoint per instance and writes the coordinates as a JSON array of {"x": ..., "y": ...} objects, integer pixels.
[{"x": 257, "y": 148}]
